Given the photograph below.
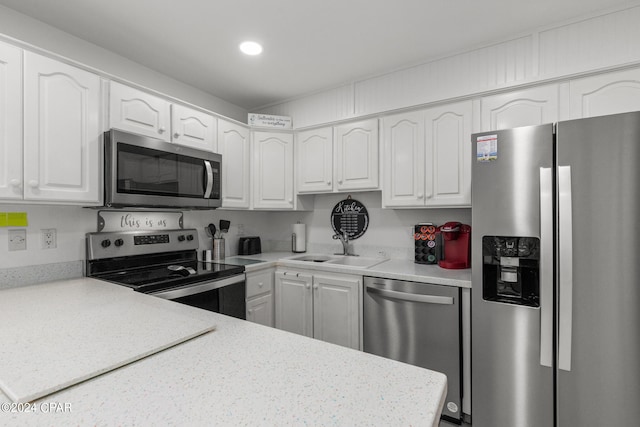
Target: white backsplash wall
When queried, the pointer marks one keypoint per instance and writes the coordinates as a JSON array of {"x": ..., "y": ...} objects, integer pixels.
[
  {"x": 71, "y": 224},
  {"x": 390, "y": 231}
]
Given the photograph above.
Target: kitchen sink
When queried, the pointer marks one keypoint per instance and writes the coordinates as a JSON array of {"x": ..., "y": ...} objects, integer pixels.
[
  {"x": 311, "y": 258},
  {"x": 347, "y": 261},
  {"x": 356, "y": 261}
]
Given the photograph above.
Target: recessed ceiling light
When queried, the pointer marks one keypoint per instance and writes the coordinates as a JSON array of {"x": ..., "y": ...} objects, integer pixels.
[{"x": 251, "y": 48}]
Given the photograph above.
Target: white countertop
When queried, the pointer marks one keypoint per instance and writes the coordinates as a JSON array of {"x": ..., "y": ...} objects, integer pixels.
[
  {"x": 390, "y": 269},
  {"x": 244, "y": 374},
  {"x": 69, "y": 331}
]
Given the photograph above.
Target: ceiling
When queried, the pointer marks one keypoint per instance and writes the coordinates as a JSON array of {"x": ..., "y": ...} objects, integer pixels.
[{"x": 309, "y": 45}]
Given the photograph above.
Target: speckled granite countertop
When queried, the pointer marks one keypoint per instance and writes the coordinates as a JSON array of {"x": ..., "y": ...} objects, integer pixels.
[
  {"x": 390, "y": 269},
  {"x": 245, "y": 374}
]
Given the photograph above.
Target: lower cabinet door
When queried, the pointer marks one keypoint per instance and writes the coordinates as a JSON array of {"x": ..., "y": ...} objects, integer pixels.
[
  {"x": 336, "y": 310},
  {"x": 260, "y": 310},
  {"x": 294, "y": 303}
]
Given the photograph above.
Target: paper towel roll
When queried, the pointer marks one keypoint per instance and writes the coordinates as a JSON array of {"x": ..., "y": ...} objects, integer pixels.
[{"x": 299, "y": 238}]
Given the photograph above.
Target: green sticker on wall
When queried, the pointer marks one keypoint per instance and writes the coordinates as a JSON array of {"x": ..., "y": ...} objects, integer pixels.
[{"x": 13, "y": 219}]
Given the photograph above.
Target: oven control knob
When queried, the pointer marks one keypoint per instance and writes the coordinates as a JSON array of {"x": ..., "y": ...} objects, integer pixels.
[
  {"x": 181, "y": 238},
  {"x": 189, "y": 237},
  {"x": 105, "y": 243},
  {"x": 118, "y": 242}
]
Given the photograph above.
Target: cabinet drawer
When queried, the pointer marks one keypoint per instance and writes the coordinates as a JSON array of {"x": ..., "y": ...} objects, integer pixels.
[{"x": 259, "y": 283}]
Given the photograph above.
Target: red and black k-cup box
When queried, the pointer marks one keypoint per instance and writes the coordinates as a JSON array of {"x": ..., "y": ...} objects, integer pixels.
[{"x": 428, "y": 246}]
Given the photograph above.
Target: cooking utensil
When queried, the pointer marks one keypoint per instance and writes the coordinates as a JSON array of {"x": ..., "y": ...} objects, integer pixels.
[
  {"x": 212, "y": 230},
  {"x": 224, "y": 225}
]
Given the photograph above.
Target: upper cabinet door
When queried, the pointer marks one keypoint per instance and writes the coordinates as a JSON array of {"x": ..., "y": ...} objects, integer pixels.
[
  {"x": 193, "y": 128},
  {"x": 139, "y": 112},
  {"x": 273, "y": 172},
  {"x": 10, "y": 122},
  {"x": 605, "y": 94},
  {"x": 61, "y": 132},
  {"x": 314, "y": 166},
  {"x": 448, "y": 152},
  {"x": 357, "y": 156},
  {"x": 404, "y": 162},
  {"x": 527, "y": 107},
  {"x": 233, "y": 144}
]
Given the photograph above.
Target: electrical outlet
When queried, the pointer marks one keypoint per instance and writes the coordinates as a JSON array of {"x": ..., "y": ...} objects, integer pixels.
[
  {"x": 18, "y": 239},
  {"x": 49, "y": 240},
  {"x": 240, "y": 229}
]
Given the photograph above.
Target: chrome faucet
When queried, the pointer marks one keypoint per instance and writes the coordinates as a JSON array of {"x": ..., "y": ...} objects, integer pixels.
[{"x": 344, "y": 239}]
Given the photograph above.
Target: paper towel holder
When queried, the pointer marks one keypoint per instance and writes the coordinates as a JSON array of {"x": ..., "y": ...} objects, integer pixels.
[{"x": 294, "y": 244}]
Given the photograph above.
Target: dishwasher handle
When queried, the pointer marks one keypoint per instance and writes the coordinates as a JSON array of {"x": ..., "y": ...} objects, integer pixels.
[{"x": 404, "y": 296}]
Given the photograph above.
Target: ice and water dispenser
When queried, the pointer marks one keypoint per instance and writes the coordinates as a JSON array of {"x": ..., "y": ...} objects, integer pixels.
[{"x": 510, "y": 271}]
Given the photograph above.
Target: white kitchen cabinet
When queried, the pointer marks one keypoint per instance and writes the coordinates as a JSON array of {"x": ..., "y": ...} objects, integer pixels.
[
  {"x": 314, "y": 160},
  {"x": 427, "y": 157},
  {"x": 526, "y": 107},
  {"x": 61, "y": 132},
  {"x": 234, "y": 144},
  {"x": 272, "y": 170},
  {"x": 260, "y": 310},
  {"x": 294, "y": 302},
  {"x": 139, "y": 112},
  {"x": 448, "y": 154},
  {"x": 404, "y": 161},
  {"x": 356, "y": 156},
  {"x": 335, "y": 309},
  {"x": 604, "y": 94},
  {"x": 320, "y": 305},
  {"x": 260, "y": 297},
  {"x": 11, "y": 173},
  {"x": 193, "y": 128}
]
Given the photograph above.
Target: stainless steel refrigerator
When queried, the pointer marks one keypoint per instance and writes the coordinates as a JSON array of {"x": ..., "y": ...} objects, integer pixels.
[{"x": 556, "y": 274}]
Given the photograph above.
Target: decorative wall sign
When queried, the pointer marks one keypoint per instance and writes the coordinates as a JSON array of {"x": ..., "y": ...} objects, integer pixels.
[
  {"x": 351, "y": 216},
  {"x": 269, "y": 121},
  {"x": 142, "y": 220}
]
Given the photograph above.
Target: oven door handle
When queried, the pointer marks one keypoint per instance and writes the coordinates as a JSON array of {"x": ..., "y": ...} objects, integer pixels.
[{"x": 198, "y": 287}]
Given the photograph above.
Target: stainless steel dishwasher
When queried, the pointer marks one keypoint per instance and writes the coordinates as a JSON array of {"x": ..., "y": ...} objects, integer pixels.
[{"x": 419, "y": 324}]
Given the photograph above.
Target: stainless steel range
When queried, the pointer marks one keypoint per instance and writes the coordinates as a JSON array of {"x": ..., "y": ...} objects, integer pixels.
[{"x": 165, "y": 264}]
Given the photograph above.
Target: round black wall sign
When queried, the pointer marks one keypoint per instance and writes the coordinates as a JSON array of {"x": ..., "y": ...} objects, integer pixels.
[{"x": 351, "y": 216}]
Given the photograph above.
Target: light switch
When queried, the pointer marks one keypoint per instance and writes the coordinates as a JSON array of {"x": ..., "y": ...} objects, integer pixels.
[{"x": 18, "y": 239}]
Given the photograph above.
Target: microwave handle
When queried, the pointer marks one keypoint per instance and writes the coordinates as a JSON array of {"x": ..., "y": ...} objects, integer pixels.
[{"x": 207, "y": 191}]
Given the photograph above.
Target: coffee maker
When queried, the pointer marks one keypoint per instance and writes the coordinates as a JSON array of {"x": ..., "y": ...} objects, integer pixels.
[{"x": 456, "y": 242}]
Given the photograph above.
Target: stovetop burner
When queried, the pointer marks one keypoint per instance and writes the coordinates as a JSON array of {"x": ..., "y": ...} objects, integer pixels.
[{"x": 159, "y": 277}]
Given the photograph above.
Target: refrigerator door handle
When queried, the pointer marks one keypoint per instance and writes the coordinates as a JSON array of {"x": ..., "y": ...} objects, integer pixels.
[
  {"x": 546, "y": 267},
  {"x": 565, "y": 267}
]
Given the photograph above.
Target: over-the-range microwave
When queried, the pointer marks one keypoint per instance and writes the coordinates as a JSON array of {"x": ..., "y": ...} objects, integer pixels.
[{"x": 145, "y": 172}]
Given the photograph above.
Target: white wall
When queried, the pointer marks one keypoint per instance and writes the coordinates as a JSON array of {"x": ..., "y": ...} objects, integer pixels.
[
  {"x": 71, "y": 223},
  {"x": 389, "y": 232},
  {"x": 42, "y": 36},
  {"x": 587, "y": 45}
]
